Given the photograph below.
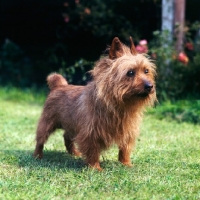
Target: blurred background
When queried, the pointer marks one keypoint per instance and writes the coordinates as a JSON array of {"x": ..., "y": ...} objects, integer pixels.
[{"x": 68, "y": 36}]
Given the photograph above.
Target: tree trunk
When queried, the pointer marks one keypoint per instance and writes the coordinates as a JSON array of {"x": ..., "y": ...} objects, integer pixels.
[
  {"x": 179, "y": 19},
  {"x": 168, "y": 16}
]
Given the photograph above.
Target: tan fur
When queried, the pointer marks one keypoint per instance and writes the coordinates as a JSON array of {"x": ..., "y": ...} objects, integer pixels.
[{"x": 107, "y": 111}]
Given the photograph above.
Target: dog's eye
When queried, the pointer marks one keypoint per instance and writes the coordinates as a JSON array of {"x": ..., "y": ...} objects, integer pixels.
[
  {"x": 130, "y": 73},
  {"x": 146, "y": 71}
]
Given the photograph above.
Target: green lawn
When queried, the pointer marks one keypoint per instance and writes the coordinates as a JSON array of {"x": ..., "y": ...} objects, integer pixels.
[{"x": 166, "y": 160}]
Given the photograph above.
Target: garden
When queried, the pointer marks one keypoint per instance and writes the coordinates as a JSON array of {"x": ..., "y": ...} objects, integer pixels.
[{"x": 166, "y": 163}]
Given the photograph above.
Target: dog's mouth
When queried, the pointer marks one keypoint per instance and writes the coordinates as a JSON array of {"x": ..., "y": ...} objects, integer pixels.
[
  {"x": 145, "y": 93},
  {"x": 142, "y": 95}
]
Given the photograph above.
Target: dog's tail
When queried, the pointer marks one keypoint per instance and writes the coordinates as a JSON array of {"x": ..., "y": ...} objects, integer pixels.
[{"x": 56, "y": 80}]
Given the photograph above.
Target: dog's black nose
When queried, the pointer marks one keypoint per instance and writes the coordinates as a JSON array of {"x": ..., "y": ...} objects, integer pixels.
[{"x": 148, "y": 87}]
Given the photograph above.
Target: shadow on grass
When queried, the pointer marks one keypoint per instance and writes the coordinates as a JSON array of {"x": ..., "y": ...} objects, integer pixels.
[{"x": 53, "y": 160}]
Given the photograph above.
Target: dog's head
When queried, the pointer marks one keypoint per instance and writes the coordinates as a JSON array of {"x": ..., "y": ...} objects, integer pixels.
[{"x": 125, "y": 75}]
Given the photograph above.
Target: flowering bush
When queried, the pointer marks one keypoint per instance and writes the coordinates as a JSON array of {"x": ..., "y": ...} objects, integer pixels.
[{"x": 178, "y": 74}]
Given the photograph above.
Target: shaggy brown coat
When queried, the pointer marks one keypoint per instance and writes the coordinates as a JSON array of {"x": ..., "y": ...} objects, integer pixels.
[{"x": 108, "y": 110}]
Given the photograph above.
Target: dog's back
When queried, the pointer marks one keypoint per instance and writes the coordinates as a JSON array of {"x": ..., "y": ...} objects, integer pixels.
[
  {"x": 60, "y": 91},
  {"x": 61, "y": 101}
]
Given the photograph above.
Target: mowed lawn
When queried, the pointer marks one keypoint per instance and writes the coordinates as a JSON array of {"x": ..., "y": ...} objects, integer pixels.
[{"x": 166, "y": 160}]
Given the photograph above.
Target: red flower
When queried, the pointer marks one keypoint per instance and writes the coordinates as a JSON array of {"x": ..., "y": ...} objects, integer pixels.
[
  {"x": 182, "y": 57},
  {"x": 189, "y": 46}
]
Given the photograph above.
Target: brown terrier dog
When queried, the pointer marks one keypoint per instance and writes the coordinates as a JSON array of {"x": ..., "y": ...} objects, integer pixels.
[{"x": 107, "y": 110}]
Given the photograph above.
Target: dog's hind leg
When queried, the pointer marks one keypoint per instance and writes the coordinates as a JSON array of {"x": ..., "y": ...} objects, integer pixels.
[
  {"x": 43, "y": 132},
  {"x": 70, "y": 146}
]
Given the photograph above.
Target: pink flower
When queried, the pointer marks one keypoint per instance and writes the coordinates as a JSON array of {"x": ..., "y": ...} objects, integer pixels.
[
  {"x": 143, "y": 42},
  {"x": 87, "y": 11},
  {"x": 66, "y": 4},
  {"x": 142, "y": 49},
  {"x": 66, "y": 18},
  {"x": 182, "y": 57}
]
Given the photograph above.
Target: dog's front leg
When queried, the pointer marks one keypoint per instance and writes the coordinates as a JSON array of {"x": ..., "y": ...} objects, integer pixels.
[
  {"x": 90, "y": 148},
  {"x": 92, "y": 158},
  {"x": 125, "y": 153}
]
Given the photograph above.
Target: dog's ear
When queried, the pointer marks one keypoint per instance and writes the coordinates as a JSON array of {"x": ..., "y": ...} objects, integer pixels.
[
  {"x": 116, "y": 49},
  {"x": 132, "y": 47}
]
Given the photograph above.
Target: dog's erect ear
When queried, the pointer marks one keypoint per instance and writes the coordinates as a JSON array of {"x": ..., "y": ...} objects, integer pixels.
[
  {"x": 132, "y": 47},
  {"x": 116, "y": 49}
]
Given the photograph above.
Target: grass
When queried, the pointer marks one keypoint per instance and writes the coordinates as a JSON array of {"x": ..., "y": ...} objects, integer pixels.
[
  {"x": 181, "y": 111},
  {"x": 166, "y": 160}
]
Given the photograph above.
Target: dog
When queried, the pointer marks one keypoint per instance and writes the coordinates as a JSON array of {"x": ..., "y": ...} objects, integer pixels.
[{"x": 107, "y": 111}]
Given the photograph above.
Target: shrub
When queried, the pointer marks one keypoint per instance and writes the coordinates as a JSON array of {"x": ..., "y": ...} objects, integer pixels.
[
  {"x": 71, "y": 32},
  {"x": 78, "y": 73},
  {"x": 15, "y": 67},
  {"x": 181, "y": 111},
  {"x": 178, "y": 75}
]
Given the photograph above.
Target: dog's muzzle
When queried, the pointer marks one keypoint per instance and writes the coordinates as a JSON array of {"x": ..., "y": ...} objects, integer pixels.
[{"x": 148, "y": 87}]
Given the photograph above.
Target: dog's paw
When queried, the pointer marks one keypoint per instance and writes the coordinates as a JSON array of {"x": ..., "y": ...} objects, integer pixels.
[
  {"x": 128, "y": 164},
  {"x": 38, "y": 156},
  {"x": 95, "y": 166}
]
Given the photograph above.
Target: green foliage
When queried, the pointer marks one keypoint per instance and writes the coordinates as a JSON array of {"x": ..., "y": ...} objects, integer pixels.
[
  {"x": 98, "y": 21},
  {"x": 96, "y": 17},
  {"x": 163, "y": 49},
  {"x": 15, "y": 67},
  {"x": 181, "y": 111},
  {"x": 86, "y": 28},
  {"x": 78, "y": 73},
  {"x": 83, "y": 30}
]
